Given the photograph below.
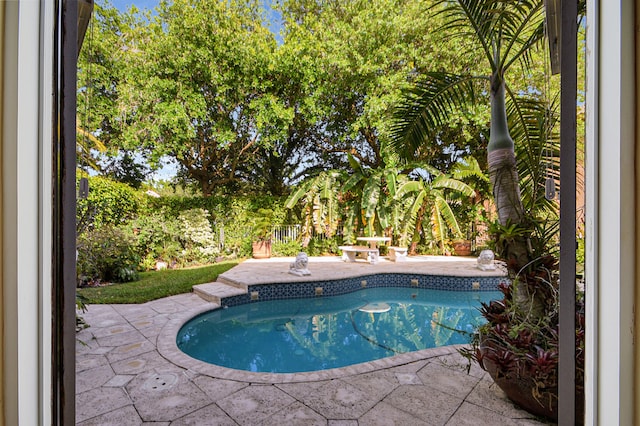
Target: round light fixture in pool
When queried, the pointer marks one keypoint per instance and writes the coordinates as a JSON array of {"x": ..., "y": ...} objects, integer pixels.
[{"x": 375, "y": 308}]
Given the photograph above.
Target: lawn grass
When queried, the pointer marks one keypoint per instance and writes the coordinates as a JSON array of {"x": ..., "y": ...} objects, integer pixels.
[{"x": 155, "y": 285}]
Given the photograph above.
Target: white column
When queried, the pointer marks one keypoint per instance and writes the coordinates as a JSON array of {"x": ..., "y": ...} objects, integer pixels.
[
  {"x": 26, "y": 226},
  {"x": 610, "y": 213}
]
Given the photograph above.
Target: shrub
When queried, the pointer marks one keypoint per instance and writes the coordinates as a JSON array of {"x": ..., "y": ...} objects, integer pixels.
[
  {"x": 232, "y": 217},
  {"x": 197, "y": 237},
  {"x": 291, "y": 248},
  {"x": 108, "y": 203},
  {"x": 322, "y": 246},
  {"x": 158, "y": 238},
  {"x": 107, "y": 254}
]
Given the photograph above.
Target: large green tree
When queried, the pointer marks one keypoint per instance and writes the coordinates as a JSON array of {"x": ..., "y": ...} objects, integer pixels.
[
  {"x": 363, "y": 53},
  {"x": 292, "y": 151},
  {"x": 197, "y": 88}
]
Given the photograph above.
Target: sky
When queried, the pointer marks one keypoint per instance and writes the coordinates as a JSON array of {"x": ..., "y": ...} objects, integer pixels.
[{"x": 124, "y": 5}]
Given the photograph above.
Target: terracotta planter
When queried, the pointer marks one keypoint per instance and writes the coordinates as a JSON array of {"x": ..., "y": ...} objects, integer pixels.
[
  {"x": 520, "y": 389},
  {"x": 261, "y": 249},
  {"x": 462, "y": 248}
]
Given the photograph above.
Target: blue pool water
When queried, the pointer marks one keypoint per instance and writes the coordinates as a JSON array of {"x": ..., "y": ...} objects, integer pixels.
[{"x": 299, "y": 335}]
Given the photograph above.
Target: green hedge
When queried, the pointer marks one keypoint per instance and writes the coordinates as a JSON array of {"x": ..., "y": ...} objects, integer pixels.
[
  {"x": 179, "y": 230},
  {"x": 109, "y": 203}
]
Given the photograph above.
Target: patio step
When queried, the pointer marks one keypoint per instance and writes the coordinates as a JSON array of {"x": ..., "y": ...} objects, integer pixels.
[
  {"x": 216, "y": 291},
  {"x": 224, "y": 280}
]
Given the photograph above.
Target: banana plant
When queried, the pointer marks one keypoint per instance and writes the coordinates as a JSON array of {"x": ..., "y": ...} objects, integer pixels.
[
  {"x": 429, "y": 198},
  {"x": 373, "y": 192},
  {"x": 321, "y": 205}
]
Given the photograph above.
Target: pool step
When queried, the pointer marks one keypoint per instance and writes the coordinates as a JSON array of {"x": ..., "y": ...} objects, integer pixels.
[{"x": 215, "y": 292}]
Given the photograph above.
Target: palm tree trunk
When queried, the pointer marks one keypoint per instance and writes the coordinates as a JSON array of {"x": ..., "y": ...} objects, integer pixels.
[
  {"x": 503, "y": 173},
  {"x": 506, "y": 192}
]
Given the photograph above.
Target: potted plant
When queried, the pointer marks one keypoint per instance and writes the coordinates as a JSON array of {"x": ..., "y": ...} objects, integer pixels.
[
  {"x": 519, "y": 348},
  {"x": 262, "y": 234},
  {"x": 462, "y": 247}
]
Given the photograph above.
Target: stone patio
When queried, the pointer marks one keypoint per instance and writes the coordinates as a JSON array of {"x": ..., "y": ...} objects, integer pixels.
[{"x": 128, "y": 372}]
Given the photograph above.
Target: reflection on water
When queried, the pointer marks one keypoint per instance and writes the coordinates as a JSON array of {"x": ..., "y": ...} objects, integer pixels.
[{"x": 299, "y": 335}]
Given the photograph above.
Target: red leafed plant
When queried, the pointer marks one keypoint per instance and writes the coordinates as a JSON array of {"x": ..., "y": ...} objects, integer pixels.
[{"x": 516, "y": 345}]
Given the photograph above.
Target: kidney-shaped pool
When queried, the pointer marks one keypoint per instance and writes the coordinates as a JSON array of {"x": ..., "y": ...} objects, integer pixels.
[{"x": 302, "y": 335}]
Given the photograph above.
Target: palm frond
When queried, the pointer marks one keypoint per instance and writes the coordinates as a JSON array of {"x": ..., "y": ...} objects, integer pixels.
[
  {"x": 427, "y": 106},
  {"x": 505, "y": 29},
  {"x": 467, "y": 168},
  {"x": 534, "y": 128},
  {"x": 470, "y": 19}
]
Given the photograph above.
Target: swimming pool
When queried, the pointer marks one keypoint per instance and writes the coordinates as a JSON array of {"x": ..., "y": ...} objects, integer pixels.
[{"x": 319, "y": 333}]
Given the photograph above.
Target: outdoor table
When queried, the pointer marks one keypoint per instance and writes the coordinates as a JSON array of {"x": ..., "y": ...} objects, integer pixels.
[{"x": 373, "y": 241}]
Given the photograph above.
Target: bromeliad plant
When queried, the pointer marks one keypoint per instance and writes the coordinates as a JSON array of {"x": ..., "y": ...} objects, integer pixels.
[{"x": 519, "y": 348}]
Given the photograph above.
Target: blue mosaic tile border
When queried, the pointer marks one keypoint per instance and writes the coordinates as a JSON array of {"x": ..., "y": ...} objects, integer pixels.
[{"x": 348, "y": 285}]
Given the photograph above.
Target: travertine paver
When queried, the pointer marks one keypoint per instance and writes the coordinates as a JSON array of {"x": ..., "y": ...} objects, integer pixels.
[
  {"x": 425, "y": 403},
  {"x": 218, "y": 389},
  {"x": 121, "y": 338},
  {"x": 471, "y": 414},
  {"x": 209, "y": 415},
  {"x": 119, "y": 381},
  {"x": 253, "y": 404},
  {"x": 165, "y": 396},
  {"x": 378, "y": 384},
  {"x": 296, "y": 414},
  {"x": 125, "y": 416},
  {"x": 487, "y": 394},
  {"x": 130, "y": 350},
  {"x": 99, "y": 401},
  {"x": 93, "y": 378},
  {"x": 408, "y": 379},
  {"x": 446, "y": 380},
  {"x": 340, "y": 400},
  {"x": 140, "y": 363},
  {"x": 384, "y": 414},
  {"x": 89, "y": 361},
  {"x": 122, "y": 379},
  {"x": 457, "y": 362},
  {"x": 411, "y": 367}
]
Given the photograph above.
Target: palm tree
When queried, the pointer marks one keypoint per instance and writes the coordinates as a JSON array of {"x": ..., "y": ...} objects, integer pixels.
[{"x": 505, "y": 32}]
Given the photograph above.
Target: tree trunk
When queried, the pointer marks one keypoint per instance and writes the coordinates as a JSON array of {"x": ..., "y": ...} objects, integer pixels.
[
  {"x": 503, "y": 173},
  {"x": 506, "y": 192}
]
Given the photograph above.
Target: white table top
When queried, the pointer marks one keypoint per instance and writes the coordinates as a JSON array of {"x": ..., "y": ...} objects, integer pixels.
[{"x": 375, "y": 239}]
